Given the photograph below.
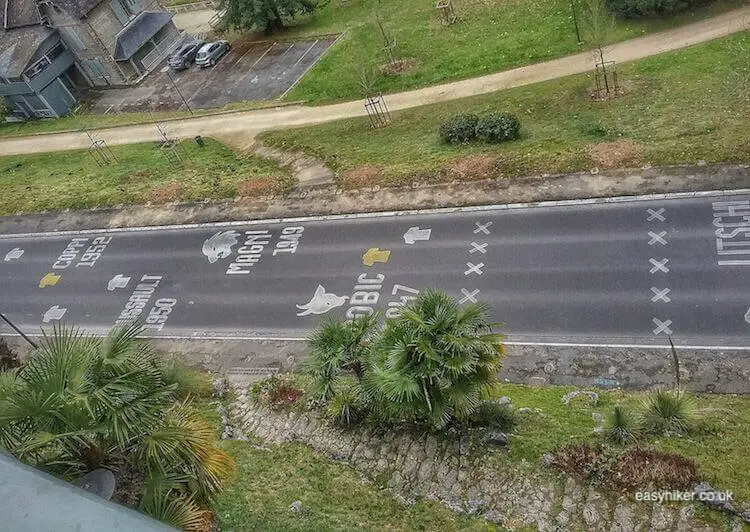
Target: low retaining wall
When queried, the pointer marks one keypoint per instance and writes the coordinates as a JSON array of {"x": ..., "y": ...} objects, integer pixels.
[{"x": 604, "y": 367}]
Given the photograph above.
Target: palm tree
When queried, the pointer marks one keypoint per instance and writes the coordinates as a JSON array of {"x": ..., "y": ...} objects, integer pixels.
[
  {"x": 436, "y": 362},
  {"x": 82, "y": 402},
  {"x": 337, "y": 347}
]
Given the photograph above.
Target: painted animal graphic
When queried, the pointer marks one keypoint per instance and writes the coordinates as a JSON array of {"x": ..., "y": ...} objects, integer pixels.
[
  {"x": 220, "y": 245},
  {"x": 321, "y": 302}
]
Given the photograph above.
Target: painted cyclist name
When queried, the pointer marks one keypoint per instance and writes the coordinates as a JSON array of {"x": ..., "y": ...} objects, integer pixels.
[
  {"x": 88, "y": 257},
  {"x": 248, "y": 255},
  {"x": 732, "y": 222},
  {"x": 288, "y": 240},
  {"x": 138, "y": 300}
]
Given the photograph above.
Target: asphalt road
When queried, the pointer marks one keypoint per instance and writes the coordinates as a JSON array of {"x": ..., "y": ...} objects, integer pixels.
[{"x": 606, "y": 273}]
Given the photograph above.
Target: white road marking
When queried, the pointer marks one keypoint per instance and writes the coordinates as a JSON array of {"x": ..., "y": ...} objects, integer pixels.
[
  {"x": 285, "y": 51},
  {"x": 13, "y": 254},
  {"x": 468, "y": 296},
  {"x": 118, "y": 281},
  {"x": 482, "y": 228},
  {"x": 481, "y": 248},
  {"x": 321, "y": 302},
  {"x": 655, "y": 215},
  {"x": 657, "y": 237},
  {"x": 219, "y": 246},
  {"x": 383, "y": 214},
  {"x": 54, "y": 313},
  {"x": 658, "y": 265},
  {"x": 662, "y": 326},
  {"x": 306, "y": 52},
  {"x": 415, "y": 233},
  {"x": 747, "y": 315},
  {"x": 660, "y": 295},
  {"x": 734, "y": 263},
  {"x": 474, "y": 268}
]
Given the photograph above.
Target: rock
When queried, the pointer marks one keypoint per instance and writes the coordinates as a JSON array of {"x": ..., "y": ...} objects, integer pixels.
[
  {"x": 715, "y": 499},
  {"x": 493, "y": 516},
  {"x": 537, "y": 381},
  {"x": 745, "y": 516},
  {"x": 475, "y": 506},
  {"x": 568, "y": 397},
  {"x": 599, "y": 419},
  {"x": 297, "y": 508},
  {"x": 504, "y": 400},
  {"x": 547, "y": 459},
  {"x": 495, "y": 437},
  {"x": 220, "y": 387},
  {"x": 454, "y": 505},
  {"x": 524, "y": 410}
]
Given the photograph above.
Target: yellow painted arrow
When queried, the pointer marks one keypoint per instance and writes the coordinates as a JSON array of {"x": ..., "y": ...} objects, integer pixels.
[
  {"x": 50, "y": 279},
  {"x": 374, "y": 255}
]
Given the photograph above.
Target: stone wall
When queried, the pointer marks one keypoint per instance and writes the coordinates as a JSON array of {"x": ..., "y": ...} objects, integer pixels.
[
  {"x": 701, "y": 370},
  {"x": 464, "y": 479}
]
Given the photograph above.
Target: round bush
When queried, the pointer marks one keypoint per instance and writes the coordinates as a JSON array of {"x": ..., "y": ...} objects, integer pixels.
[
  {"x": 648, "y": 8},
  {"x": 459, "y": 128},
  {"x": 497, "y": 127}
]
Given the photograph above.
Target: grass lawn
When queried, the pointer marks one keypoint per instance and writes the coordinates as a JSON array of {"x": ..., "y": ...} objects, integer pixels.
[
  {"x": 72, "y": 179},
  {"x": 680, "y": 107},
  {"x": 491, "y": 35}
]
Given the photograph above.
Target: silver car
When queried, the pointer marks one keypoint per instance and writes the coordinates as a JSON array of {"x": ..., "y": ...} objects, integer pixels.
[{"x": 211, "y": 52}]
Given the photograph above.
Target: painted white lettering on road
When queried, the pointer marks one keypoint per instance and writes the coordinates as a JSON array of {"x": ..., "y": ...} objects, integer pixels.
[
  {"x": 250, "y": 252},
  {"x": 138, "y": 300},
  {"x": 13, "y": 254},
  {"x": 55, "y": 313},
  {"x": 321, "y": 302},
  {"x": 747, "y": 315},
  {"x": 288, "y": 240},
  {"x": 406, "y": 295},
  {"x": 159, "y": 313},
  {"x": 94, "y": 253},
  {"x": 732, "y": 220},
  {"x": 70, "y": 253},
  {"x": 365, "y": 296},
  {"x": 118, "y": 281}
]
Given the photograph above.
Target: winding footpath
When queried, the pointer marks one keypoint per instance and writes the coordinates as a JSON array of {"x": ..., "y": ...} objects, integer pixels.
[{"x": 250, "y": 123}]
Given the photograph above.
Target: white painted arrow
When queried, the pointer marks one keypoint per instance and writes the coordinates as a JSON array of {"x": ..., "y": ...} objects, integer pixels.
[
  {"x": 13, "y": 254},
  {"x": 54, "y": 313},
  {"x": 415, "y": 233},
  {"x": 118, "y": 281},
  {"x": 747, "y": 316}
]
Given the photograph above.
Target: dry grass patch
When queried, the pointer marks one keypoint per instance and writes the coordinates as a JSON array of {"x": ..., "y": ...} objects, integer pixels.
[
  {"x": 165, "y": 194},
  {"x": 361, "y": 176},
  {"x": 617, "y": 154},
  {"x": 265, "y": 186},
  {"x": 474, "y": 167}
]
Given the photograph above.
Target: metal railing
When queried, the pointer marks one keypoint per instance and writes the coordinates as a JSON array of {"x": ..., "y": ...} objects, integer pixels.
[{"x": 195, "y": 6}]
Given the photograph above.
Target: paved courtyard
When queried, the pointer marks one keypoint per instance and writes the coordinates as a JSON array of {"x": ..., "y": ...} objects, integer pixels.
[{"x": 250, "y": 71}]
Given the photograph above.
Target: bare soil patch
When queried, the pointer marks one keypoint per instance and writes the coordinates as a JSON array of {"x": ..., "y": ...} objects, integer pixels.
[
  {"x": 265, "y": 186},
  {"x": 165, "y": 194},
  {"x": 617, "y": 154},
  {"x": 475, "y": 167},
  {"x": 361, "y": 176}
]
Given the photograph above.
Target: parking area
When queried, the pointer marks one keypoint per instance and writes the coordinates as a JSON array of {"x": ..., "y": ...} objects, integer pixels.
[{"x": 250, "y": 71}]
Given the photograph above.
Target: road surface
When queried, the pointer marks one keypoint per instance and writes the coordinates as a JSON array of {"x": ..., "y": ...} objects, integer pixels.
[{"x": 614, "y": 273}]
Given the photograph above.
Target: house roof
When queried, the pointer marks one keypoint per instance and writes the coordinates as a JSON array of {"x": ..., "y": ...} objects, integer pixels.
[
  {"x": 18, "y": 46},
  {"x": 18, "y": 13},
  {"x": 138, "y": 31},
  {"x": 77, "y": 8}
]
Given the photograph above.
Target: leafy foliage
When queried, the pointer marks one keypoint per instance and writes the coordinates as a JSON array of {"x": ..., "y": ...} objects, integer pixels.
[
  {"x": 621, "y": 426},
  {"x": 81, "y": 402},
  {"x": 436, "y": 362},
  {"x": 668, "y": 412},
  {"x": 649, "y": 8},
  {"x": 267, "y": 15},
  {"x": 495, "y": 415},
  {"x": 459, "y": 129},
  {"x": 498, "y": 127},
  {"x": 346, "y": 407}
]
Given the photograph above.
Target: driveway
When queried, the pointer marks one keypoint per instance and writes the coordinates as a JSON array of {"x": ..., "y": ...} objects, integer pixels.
[{"x": 252, "y": 70}]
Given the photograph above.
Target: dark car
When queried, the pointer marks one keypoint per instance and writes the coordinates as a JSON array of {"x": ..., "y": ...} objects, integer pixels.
[
  {"x": 184, "y": 57},
  {"x": 211, "y": 52}
]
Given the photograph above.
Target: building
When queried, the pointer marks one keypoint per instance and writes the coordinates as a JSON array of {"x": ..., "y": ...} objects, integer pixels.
[{"x": 49, "y": 49}]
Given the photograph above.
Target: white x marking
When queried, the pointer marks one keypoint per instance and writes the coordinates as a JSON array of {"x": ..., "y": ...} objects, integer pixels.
[
  {"x": 474, "y": 268},
  {"x": 469, "y": 296},
  {"x": 657, "y": 237},
  {"x": 660, "y": 295},
  {"x": 481, "y": 248},
  {"x": 658, "y": 265},
  {"x": 662, "y": 326},
  {"x": 655, "y": 215},
  {"x": 482, "y": 228}
]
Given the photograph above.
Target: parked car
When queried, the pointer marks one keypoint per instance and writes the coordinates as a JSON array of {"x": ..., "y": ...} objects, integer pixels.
[
  {"x": 184, "y": 57},
  {"x": 211, "y": 52}
]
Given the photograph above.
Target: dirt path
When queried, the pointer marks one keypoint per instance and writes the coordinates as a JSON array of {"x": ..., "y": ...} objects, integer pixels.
[{"x": 248, "y": 124}]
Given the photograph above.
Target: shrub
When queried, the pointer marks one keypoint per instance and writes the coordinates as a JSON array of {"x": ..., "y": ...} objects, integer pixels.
[
  {"x": 276, "y": 392},
  {"x": 459, "y": 128},
  {"x": 639, "y": 469},
  {"x": 497, "y": 127},
  {"x": 668, "y": 413},
  {"x": 189, "y": 381},
  {"x": 8, "y": 357},
  {"x": 621, "y": 426},
  {"x": 346, "y": 406},
  {"x": 648, "y": 8},
  {"x": 495, "y": 415}
]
